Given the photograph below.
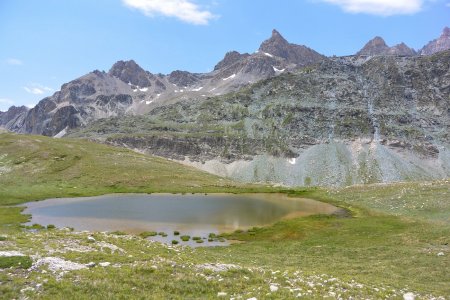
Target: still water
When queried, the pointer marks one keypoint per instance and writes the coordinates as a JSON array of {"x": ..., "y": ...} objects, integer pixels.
[{"x": 195, "y": 215}]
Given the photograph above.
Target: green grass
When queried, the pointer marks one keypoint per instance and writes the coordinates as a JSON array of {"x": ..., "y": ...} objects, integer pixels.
[
  {"x": 386, "y": 246},
  {"x": 22, "y": 262}
]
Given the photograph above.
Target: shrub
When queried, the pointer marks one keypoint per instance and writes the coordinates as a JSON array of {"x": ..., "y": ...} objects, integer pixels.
[
  {"x": 174, "y": 242},
  {"x": 196, "y": 238},
  {"x": 51, "y": 226},
  {"x": 176, "y": 233}
]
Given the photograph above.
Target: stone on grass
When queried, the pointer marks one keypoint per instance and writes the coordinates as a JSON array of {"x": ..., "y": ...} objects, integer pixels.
[
  {"x": 104, "y": 264},
  {"x": 273, "y": 288},
  {"x": 221, "y": 294},
  {"x": 409, "y": 296},
  {"x": 440, "y": 254}
]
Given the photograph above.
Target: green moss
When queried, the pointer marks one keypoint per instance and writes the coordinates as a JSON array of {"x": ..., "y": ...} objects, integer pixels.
[
  {"x": 147, "y": 234},
  {"x": 185, "y": 238}
]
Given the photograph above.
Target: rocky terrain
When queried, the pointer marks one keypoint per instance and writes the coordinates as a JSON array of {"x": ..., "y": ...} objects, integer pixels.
[{"x": 284, "y": 114}]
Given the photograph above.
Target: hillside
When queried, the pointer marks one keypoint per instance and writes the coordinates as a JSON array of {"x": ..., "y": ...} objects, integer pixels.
[{"x": 38, "y": 167}]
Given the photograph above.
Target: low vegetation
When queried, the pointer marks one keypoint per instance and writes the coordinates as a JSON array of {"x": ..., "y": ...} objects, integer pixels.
[{"x": 393, "y": 242}]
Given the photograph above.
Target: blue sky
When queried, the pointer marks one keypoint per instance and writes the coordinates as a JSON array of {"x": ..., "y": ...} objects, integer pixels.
[{"x": 45, "y": 43}]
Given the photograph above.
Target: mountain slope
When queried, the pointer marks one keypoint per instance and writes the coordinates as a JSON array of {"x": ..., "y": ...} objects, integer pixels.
[{"x": 345, "y": 121}]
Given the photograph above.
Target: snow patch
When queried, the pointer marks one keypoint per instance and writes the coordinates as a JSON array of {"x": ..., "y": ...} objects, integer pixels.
[
  {"x": 268, "y": 54},
  {"x": 230, "y": 77},
  {"x": 212, "y": 90},
  {"x": 61, "y": 133},
  {"x": 148, "y": 102},
  {"x": 144, "y": 89},
  {"x": 278, "y": 70},
  {"x": 292, "y": 161},
  {"x": 197, "y": 89}
]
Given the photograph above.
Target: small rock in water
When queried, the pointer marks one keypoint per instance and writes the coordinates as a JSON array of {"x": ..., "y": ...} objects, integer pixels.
[
  {"x": 221, "y": 294},
  {"x": 91, "y": 239},
  {"x": 440, "y": 254},
  {"x": 273, "y": 288},
  {"x": 409, "y": 296},
  {"x": 90, "y": 264},
  {"x": 104, "y": 264}
]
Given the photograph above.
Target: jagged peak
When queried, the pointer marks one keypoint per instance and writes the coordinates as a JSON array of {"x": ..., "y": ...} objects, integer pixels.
[
  {"x": 276, "y": 40},
  {"x": 445, "y": 32}
]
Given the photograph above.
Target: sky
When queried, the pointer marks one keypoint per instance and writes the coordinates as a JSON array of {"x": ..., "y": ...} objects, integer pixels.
[{"x": 46, "y": 43}]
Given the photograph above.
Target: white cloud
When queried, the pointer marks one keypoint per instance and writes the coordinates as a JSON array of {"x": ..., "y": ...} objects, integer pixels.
[
  {"x": 448, "y": 4},
  {"x": 184, "y": 10},
  {"x": 14, "y": 62},
  {"x": 6, "y": 101},
  {"x": 379, "y": 7},
  {"x": 37, "y": 89}
]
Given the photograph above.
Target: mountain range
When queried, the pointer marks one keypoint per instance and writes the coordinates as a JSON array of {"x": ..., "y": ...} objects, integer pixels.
[{"x": 284, "y": 114}]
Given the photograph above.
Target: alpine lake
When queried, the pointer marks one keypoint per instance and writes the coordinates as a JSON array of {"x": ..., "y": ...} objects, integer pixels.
[{"x": 189, "y": 219}]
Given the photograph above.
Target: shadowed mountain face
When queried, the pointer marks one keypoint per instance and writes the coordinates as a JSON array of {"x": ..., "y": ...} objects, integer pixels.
[{"x": 283, "y": 114}]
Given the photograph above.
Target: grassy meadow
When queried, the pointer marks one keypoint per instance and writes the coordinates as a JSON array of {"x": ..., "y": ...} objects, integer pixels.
[{"x": 393, "y": 243}]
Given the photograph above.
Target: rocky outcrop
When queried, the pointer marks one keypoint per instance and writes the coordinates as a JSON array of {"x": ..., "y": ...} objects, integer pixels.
[
  {"x": 377, "y": 46},
  {"x": 440, "y": 44}
]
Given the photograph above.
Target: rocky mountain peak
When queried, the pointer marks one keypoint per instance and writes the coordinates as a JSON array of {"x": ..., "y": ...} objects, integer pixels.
[
  {"x": 130, "y": 72},
  {"x": 276, "y": 45},
  {"x": 376, "y": 46},
  {"x": 300, "y": 55},
  {"x": 229, "y": 59},
  {"x": 440, "y": 44},
  {"x": 401, "y": 49}
]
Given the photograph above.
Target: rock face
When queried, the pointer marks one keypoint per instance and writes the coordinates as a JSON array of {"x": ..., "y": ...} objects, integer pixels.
[
  {"x": 13, "y": 118},
  {"x": 377, "y": 46},
  {"x": 345, "y": 121},
  {"x": 440, "y": 44}
]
